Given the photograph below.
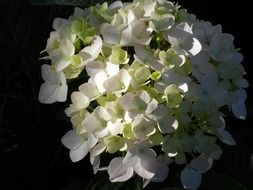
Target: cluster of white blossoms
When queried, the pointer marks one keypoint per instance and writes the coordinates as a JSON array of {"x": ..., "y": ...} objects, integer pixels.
[{"x": 158, "y": 81}]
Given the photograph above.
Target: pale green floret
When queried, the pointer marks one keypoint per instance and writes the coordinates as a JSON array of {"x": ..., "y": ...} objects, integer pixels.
[
  {"x": 173, "y": 96},
  {"x": 114, "y": 143},
  {"x": 118, "y": 56}
]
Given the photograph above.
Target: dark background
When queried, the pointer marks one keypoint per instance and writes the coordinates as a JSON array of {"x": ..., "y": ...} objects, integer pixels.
[{"x": 31, "y": 154}]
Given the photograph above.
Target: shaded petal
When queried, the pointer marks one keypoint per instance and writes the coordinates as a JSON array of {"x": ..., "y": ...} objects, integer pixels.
[
  {"x": 119, "y": 172},
  {"x": 67, "y": 48},
  {"x": 151, "y": 106},
  {"x": 190, "y": 178},
  {"x": 146, "y": 167},
  {"x": 62, "y": 93},
  {"x": 94, "y": 67},
  {"x": 101, "y": 113},
  {"x": 79, "y": 100},
  {"x": 89, "y": 90},
  {"x": 91, "y": 52},
  {"x": 62, "y": 64},
  {"x": 95, "y": 162},
  {"x": 98, "y": 149},
  {"x": 58, "y": 23},
  {"x": 71, "y": 140},
  {"x": 49, "y": 74},
  {"x": 225, "y": 136},
  {"x": 130, "y": 158},
  {"x": 91, "y": 124},
  {"x": 79, "y": 153},
  {"x": 202, "y": 163},
  {"x": 48, "y": 93},
  {"x": 162, "y": 170},
  {"x": 239, "y": 108},
  {"x": 90, "y": 140}
]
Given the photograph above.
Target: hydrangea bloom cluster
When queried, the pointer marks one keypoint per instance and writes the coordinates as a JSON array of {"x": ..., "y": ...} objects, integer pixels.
[{"x": 158, "y": 80}]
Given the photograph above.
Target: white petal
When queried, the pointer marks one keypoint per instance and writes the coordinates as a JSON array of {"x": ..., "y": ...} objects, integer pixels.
[
  {"x": 99, "y": 80},
  {"x": 125, "y": 78},
  {"x": 62, "y": 93},
  {"x": 102, "y": 133},
  {"x": 79, "y": 153},
  {"x": 89, "y": 90},
  {"x": 145, "y": 167},
  {"x": 95, "y": 162},
  {"x": 49, "y": 74},
  {"x": 98, "y": 149},
  {"x": 151, "y": 106},
  {"x": 94, "y": 67},
  {"x": 111, "y": 69},
  {"x": 91, "y": 124},
  {"x": 119, "y": 172},
  {"x": 79, "y": 100},
  {"x": 143, "y": 129},
  {"x": 183, "y": 87},
  {"x": 128, "y": 102},
  {"x": 114, "y": 128},
  {"x": 62, "y": 64},
  {"x": 90, "y": 140},
  {"x": 196, "y": 47},
  {"x": 190, "y": 178},
  {"x": 144, "y": 96},
  {"x": 182, "y": 40},
  {"x": 118, "y": 83},
  {"x": 147, "y": 57},
  {"x": 112, "y": 34},
  {"x": 101, "y": 113},
  {"x": 185, "y": 27},
  {"x": 67, "y": 48},
  {"x": 48, "y": 93},
  {"x": 115, "y": 5},
  {"x": 95, "y": 48},
  {"x": 126, "y": 36},
  {"x": 71, "y": 140},
  {"x": 61, "y": 78},
  {"x": 130, "y": 158},
  {"x": 91, "y": 52},
  {"x": 113, "y": 84}
]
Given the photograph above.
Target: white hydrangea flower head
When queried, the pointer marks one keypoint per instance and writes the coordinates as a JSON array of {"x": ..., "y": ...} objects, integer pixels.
[{"x": 153, "y": 84}]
